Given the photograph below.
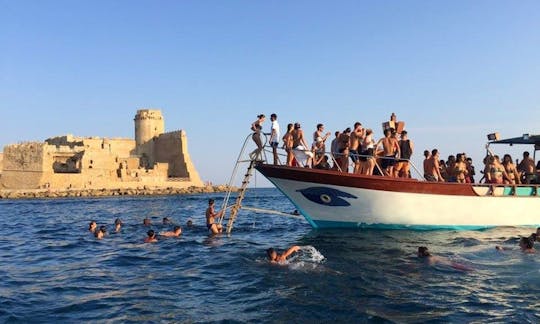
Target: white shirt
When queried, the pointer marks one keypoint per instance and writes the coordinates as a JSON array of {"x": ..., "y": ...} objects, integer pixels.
[{"x": 275, "y": 132}]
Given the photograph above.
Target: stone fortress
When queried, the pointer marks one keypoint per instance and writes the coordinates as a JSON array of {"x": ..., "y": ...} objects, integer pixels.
[{"x": 155, "y": 159}]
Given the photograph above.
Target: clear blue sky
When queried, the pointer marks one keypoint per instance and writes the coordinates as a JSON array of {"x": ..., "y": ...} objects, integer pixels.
[{"x": 453, "y": 70}]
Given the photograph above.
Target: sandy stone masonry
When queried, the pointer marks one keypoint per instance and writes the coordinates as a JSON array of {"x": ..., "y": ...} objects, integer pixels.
[{"x": 155, "y": 159}]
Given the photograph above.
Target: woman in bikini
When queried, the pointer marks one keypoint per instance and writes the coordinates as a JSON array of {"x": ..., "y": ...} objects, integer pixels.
[
  {"x": 512, "y": 175},
  {"x": 460, "y": 168},
  {"x": 256, "y": 127},
  {"x": 288, "y": 140}
]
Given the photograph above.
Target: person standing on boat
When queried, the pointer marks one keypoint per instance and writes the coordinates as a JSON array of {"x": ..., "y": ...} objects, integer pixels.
[
  {"x": 406, "y": 147},
  {"x": 211, "y": 214},
  {"x": 274, "y": 137},
  {"x": 256, "y": 127},
  {"x": 470, "y": 171},
  {"x": 343, "y": 149},
  {"x": 390, "y": 151},
  {"x": 288, "y": 142},
  {"x": 300, "y": 148},
  {"x": 526, "y": 167},
  {"x": 354, "y": 148},
  {"x": 432, "y": 168},
  {"x": 511, "y": 170},
  {"x": 460, "y": 168},
  {"x": 367, "y": 161},
  {"x": 427, "y": 155},
  {"x": 334, "y": 149}
]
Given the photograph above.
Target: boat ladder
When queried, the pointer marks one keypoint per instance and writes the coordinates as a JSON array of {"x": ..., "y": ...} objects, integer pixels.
[{"x": 234, "y": 208}]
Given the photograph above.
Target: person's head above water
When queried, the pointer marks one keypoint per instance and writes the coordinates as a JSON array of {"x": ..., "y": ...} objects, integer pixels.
[
  {"x": 423, "y": 252},
  {"x": 147, "y": 222},
  {"x": 118, "y": 222},
  {"x": 92, "y": 226},
  {"x": 151, "y": 233},
  {"x": 526, "y": 243},
  {"x": 272, "y": 254},
  {"x": 166, "y": 220},
  {"x": 189, "y": 223}
]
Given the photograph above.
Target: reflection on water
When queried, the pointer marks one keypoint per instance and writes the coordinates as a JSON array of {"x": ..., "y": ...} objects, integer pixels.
[{"x": 53, "y": 269}]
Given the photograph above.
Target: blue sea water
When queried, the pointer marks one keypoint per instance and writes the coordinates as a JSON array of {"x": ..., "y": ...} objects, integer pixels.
[{"x": 53, "y": 270}]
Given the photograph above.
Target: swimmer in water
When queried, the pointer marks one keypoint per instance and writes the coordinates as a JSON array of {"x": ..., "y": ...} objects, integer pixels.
[
  {"x": 151, "y": 237},
  {"x": 526, "y": 245},
  {"x": 176, "y": 232},
  {"x": 189, "y": 223},
  {"x": 92, "y": 226},
  {"x": 166, "y": 221},
  {"x": 117, "y": 225},
  {"x": 274, "y": 257},
  {"x": 100, "y": 233},
  {"x": 147, "y": 222},
  {"x": 423, "y": 253},
  {"x": 211, "y": 214}
]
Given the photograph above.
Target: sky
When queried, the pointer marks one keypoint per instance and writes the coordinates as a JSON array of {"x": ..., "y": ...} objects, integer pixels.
[{"x": 454, "y": 71}]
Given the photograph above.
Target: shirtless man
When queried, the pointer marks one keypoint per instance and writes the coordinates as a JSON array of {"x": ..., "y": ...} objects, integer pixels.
[
  {"x": 151, "y": 237},
  {"x": 300, "y": 148},
  {"x": 427, "y": 155},
  {"x": 433, "y": 172},
  {"x": 211, "y": 214},
  {"x": 354, "y": 147},
  {"x": 390, "y": 151},
  {"x": 526, "y": 167},
  {"x": 274, "y": 257},
  {"x": 423, "y": 253},
  {"x": 174, "y": 233}
]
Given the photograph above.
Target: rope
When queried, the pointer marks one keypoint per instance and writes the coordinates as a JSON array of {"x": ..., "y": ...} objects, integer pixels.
[{"x": 270, "y": 211}]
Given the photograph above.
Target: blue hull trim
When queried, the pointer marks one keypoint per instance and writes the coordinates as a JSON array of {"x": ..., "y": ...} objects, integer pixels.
[{"x": 351, "y": 225}]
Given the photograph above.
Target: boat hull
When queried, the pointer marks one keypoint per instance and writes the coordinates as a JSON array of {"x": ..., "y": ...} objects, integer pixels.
[{"x": 329, "y": 199}]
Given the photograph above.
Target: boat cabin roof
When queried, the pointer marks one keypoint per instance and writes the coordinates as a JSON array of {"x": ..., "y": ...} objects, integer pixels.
[{"x": 525, "y": 139}]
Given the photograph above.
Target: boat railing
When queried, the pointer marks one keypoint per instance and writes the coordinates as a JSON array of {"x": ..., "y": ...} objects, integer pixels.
[{"x": 335, "y": 158}]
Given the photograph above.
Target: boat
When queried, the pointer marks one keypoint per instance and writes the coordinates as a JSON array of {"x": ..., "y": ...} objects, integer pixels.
[{"x": 335, "y": 199}]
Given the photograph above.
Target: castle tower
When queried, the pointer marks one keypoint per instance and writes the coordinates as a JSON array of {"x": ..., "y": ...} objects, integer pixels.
[{"x": 149, "y": 124}]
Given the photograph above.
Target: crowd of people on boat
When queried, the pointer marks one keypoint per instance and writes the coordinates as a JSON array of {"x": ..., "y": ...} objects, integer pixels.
[{"x": 387, "y": 156}]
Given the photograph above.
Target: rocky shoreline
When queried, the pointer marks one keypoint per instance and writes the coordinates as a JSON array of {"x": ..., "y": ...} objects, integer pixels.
[{"x": 143, "y": 191}]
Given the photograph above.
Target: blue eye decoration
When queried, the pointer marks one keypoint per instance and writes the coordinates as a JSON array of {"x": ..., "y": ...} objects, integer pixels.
[{"x": 326, "y": 196}]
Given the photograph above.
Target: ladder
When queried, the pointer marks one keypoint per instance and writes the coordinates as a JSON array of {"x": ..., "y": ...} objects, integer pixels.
[
  {"x": 253, "y": 161},
  {"x": 241, "y": 194}
]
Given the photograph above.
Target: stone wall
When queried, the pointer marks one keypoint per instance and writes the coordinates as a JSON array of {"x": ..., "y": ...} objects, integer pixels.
[
  {"x": 171, "y": 148},
  {"x": 69, "y": 162}
]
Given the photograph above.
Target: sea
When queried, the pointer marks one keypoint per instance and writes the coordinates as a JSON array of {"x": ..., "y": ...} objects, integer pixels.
[{"x": 53, "y": 270}]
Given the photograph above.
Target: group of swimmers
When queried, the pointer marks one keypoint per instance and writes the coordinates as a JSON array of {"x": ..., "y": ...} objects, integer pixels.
[{"x": 100, "y": 232}]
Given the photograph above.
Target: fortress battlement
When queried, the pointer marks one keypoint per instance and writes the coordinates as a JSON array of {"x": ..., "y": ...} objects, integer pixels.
[{"x": 73, "y": 162}]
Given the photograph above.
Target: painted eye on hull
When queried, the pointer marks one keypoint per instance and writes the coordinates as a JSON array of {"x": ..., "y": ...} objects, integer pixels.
[{"x": 326, "y": 196}]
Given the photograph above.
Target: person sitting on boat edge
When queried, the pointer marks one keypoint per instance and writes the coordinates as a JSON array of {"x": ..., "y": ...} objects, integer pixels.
[
  {"x": 176, "y": 232},
  {"x": 151, "y": 237},
  {"x": 274, "y": 257},
  {"x": 211, "y": 214}
]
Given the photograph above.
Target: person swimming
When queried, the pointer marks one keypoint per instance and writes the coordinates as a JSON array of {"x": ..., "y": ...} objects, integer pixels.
[
  {"x": 151, "y": 237},
  {"x": 147, "y": 222},
  {"x": 526, "y": 244},
  {"x": 92, "y": 226},
  {"x": 100, "y": 233},
  {"x": 189, "y": 223},
  {"x": 117, "y": 225},
  {"x": 166, "y": 221},
  {"x": 423, "y": 253},
  {"x": 274, "y": 257},
  {"x": 176, "y": 232}
]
